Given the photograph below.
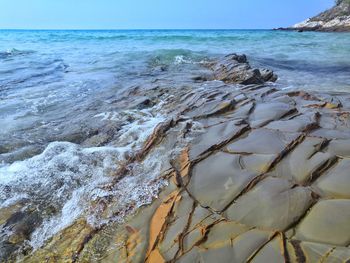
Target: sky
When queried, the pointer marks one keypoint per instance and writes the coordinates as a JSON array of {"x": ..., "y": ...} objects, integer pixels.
[{"x": 156, "y": 14}]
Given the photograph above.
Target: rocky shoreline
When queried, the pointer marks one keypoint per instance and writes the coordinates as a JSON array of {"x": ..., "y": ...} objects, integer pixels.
[
  {"x": 336, "y": 19},
  {"x": 261, "y": 175}
]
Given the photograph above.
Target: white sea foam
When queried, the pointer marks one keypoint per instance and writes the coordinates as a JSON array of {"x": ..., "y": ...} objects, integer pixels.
[
  {"x": 69, "y": 178},
  {"x": 181, "y": 59}
]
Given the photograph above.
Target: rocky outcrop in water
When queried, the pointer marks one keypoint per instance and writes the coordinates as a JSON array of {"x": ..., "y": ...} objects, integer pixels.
[
  {"x": 235, "y": 68},
  {"x": 336, "y": 19},
  {"x": 261, "y": 176}
]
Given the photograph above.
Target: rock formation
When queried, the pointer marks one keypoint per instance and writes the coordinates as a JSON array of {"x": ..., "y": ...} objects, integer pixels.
[
  {"x": 336, "y": 19},
  {"x": 263, "y": 176},
  {"x": 235, "y": 68}
]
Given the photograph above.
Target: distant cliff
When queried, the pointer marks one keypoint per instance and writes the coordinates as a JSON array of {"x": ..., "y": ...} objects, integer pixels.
[{"x": 336, "y": 19}]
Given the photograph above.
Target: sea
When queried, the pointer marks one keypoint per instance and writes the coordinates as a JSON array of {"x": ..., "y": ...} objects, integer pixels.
[{"x": 59, "y": 89}]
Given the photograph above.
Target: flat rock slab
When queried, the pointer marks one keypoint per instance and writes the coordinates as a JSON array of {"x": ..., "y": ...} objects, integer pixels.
[
  {"x": 327, "y": 222},
  {"x": 271, "y": 252},
  {"x": 216, "y": 181},
  {"x": 331, "y": 134},
  {"x": 335, "y": 183},
  {"x": 316, "y": 252},
  {"x": 215, "y": 136},
  {"x": 340, "y": 148},
  {"x": 304, "y": 161},
  {"x": 272, "y": 204},
  {"x": 228, "y": 242},
  {"x": 262, "y": 141},
  {"x": 266, "y": 112},
  {"x": 294, "y": 124}
]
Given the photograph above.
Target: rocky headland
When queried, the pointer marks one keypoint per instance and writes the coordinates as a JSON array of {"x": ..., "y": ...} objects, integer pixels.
[
  {"x": 336, "y": 19},
  {"x": 261, "y": 175}
]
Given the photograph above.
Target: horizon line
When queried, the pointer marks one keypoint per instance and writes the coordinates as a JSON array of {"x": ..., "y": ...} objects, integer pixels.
[{"x": 126, "y": 29}]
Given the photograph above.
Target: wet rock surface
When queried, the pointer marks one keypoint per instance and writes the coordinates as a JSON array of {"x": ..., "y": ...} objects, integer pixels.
[
  {"x": 235, "y": 68},
  {"x": 260, "y": 175}
]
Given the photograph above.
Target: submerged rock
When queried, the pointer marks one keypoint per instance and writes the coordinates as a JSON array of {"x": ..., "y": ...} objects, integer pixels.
[{"x": 16, "y": 230}]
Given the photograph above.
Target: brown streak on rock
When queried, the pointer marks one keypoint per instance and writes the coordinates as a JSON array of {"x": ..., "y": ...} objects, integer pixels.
[
  {"x": 314, "y": 125},
  {"x": 269, "y": 92},
  {"x": 324, "y": 257},
  {"x": 131, "y": 243},
  {"x": 261, "y": 247},
  {"x": 289, "y": 113},
  {"x": 217, "y": 147},
  {"x": 292, "y": 226},
  {"x": 299, "y": 253},
  {"x": 184, "y": 163},
  {"x": 181, "y": 167},
  {"x": 251, "y": 110},
  {"x": 86, "y": 240},
  {"x": 250, "y": 185},
  {"x": 316, "y": 106},
  {"x": 206, "y": 231},
  {"x": 157, "y": 135},
  {"x": 284, "y": 248},
  {"x": 322, "y": 169},
  {"x": 253, "y": 87},
  {"x": 159, "y": 224},
  {"x": 185, "y": 231},
  {"x": 225, "y": 107},
  {"x": 155, "y": 257},
  {"x": 295, "y": 116},
  {"x": 304, "y": 95},
  {"x": 262, "y": 176},
  {"x": 290, "y": 147},
  {"x": 319, "y": 148}
]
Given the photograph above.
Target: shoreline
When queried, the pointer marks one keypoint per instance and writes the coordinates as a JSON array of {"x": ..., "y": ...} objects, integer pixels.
[
  {"x": 251, "y": 173},
  {"x": 306, "y": 29}
]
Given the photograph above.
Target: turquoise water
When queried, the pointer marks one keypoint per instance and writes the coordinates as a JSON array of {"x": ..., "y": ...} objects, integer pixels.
[
  {"x": 45, "y": 75},
  {"x": 29, "y": 58},
  {"x": 59, "y": 88}
]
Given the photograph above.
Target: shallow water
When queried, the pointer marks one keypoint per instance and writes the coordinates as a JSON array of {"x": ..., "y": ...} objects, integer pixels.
[{"x": 60, "y": 88}]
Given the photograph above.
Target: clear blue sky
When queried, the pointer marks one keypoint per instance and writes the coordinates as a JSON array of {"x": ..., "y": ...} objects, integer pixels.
[{"x": 144, "y": 14}]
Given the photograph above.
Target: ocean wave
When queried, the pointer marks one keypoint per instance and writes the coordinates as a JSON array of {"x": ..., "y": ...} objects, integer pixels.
[
  {"x": 148, "y": 36},
  {"x": 62, "y": 174},
  {"x": 155, "y": 36},
  {"x": 15, "y": 52},
  {"x": 33, "y": 72},
  {"x": 66, "y": 180},
  {"x": 320, "y": 67},
  {"x": 168, "y": 57}
]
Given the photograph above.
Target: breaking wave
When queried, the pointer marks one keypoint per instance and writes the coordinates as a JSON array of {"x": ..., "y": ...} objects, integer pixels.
[{"x": 66, "y": 180}]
